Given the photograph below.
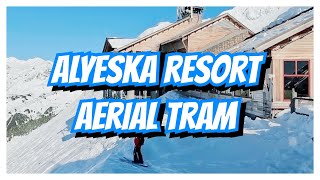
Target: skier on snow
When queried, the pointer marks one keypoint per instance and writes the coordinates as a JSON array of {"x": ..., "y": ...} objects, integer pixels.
[{"x": 137, "y": 156}]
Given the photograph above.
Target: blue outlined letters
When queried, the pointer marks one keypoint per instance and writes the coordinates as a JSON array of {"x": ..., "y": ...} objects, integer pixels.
[
  {"x": 200, "y": 69},
  {"x": 111, "y": 69},
  {"x": 142, "y": 69},
  {"x": 116, "y": 115},
  {"x": 140, "y": 116},
  {"x": 206, "y": 116}
]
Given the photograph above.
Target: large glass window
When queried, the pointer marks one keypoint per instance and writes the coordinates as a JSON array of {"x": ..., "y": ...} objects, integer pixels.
[{"x": 296, "y": 75}]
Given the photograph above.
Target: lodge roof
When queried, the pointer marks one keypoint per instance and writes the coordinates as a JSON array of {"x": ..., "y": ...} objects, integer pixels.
[
  {"x": 152, "y": 34},
  {"x": 270, "y": 37},
  {"x": 119, "y": 42},
  {"x": 205, "y": 24}
]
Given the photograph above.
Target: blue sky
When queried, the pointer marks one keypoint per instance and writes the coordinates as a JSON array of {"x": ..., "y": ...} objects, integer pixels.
[{"x": 44, "y": 31}]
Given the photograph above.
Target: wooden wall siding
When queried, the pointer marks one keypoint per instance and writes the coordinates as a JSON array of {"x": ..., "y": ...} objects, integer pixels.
[
  {"x": 227, "y": 41},
  {"x": 153, "y": 43},
  {"x": 237, "y": 24},
  {"x": 277, "y": 70},
  {"x": 209, "y": 34},
  {"x": 300, "y": 49},
  {"x": 229, "y": 25}
]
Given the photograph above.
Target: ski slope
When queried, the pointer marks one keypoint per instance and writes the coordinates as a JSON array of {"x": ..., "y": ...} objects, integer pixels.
[
  {"x": 52, "y": 144},
  {"x": 281, "y": 145}
]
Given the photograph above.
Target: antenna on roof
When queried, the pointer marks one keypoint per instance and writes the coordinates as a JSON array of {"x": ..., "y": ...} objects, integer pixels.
[{"x": 189, "y": 11}]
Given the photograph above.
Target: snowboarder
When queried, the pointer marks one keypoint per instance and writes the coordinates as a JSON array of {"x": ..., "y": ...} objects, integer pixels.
[{"x": 137, "y": 156}]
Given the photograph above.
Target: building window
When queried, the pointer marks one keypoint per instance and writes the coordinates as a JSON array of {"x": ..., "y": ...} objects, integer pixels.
[{"x": 296, "y": 75}]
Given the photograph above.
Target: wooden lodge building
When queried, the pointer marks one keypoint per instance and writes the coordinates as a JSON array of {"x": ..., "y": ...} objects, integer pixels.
[{"x": 289, "y": 45}]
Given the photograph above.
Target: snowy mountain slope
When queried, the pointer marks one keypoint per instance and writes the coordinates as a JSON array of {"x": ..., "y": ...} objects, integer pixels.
[
  {"x": 51, "y": 143},
  {"x": 281, "y": 145},
  {"x": 29, "y": 101}
]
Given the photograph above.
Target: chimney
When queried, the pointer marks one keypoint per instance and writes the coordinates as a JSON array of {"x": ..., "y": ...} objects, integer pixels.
[{"x": 195, "y": 12}]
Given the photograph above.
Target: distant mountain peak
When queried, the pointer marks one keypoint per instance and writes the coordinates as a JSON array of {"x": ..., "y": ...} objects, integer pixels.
[{"x": 37, "y": 59}]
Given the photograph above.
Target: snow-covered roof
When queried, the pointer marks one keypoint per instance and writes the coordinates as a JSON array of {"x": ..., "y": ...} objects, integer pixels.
[
  {"x": 256, "y": 18},
  {"x": 291, "y": 12},
  {"x": 119, "y": 42},
  {"x": 153, "y": 29},
  {"x": 267, "y": 38},
  {"x": 152, "y": 34},
  {"x": 205, "y": 24}
]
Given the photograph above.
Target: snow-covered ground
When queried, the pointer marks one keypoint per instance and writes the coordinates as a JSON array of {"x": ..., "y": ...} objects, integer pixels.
[
  {"x": 283, "y": 144},
  {"x": 52, "y": 144}
]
